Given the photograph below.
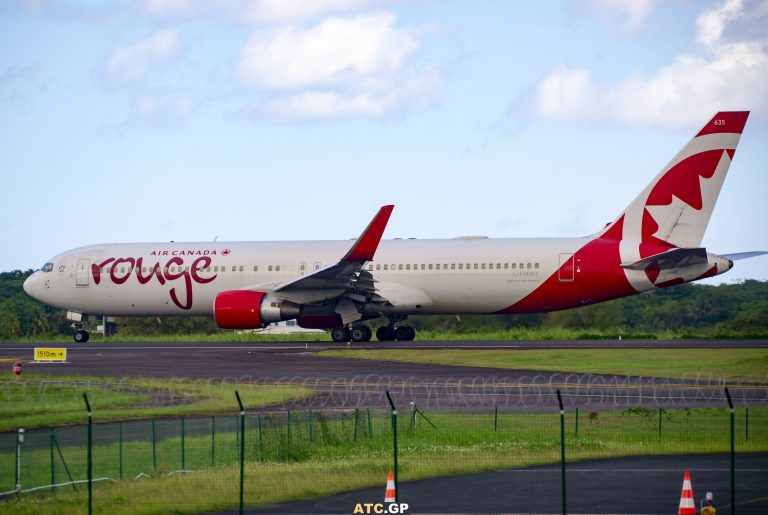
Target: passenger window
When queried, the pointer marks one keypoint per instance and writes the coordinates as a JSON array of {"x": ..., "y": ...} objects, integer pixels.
[
  {"x": 506, "y": 266},
  {"x": 536, "y": 266},
  {"x": 400, "y": 266},
  {"x": 423, "y": 266},
  {"x": 269, "y": 268},
  {"x": 277, "y": 268},
  {"x": 453, "y": 266},
  {"x": 186, "y": 268},
  {"x": 255, "y": 268},
  {"x": 529, "y": 266},
  {"x": 482, "y": 265},
  {"x": 475, "y": 266},
  {"x": 216, "y": 269},
  {"x": 498, "y": 266},
  {"x": 522, "y": 265},
  {"x": 437, "y": 266},
  {"x": 378, "y": 267},
  {"x": 223, "y": 268},
  {"x": 430, "y": 266},
  {"x": 461, "y": 266},
  {"x": 514, "y": 266},
  {"x": 208, "y": 269},
  {"x": 385, "y": 267},
  {"x": 445, "y": 266},
  {"x": 408, "y": 266},
  {"x": 241, "y": 268}
]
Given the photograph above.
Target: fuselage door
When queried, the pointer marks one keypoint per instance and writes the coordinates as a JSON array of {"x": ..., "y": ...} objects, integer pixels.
[
  {"x": 566, "y": 271},
  {"x": 81, "y": 276}
]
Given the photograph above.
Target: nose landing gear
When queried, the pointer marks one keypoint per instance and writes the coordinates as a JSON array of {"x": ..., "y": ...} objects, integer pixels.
[{"x": 81, "y": 336}]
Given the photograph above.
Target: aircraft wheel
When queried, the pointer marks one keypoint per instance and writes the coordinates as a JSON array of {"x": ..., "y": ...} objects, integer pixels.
[
  {"x": 340, "y": 334},
  {"x": 81, "y": 336},
  {"x": 360, "y": 334},
  {"x": 385, "y": 334},
  {"x": 405, "y": 333}
]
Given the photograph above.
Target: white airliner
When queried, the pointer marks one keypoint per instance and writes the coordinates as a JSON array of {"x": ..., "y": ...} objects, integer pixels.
[{"x": 654, "y": 243}]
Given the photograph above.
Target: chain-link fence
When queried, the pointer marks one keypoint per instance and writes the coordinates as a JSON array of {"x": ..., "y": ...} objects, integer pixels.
[{"x": 489, "y": 460}]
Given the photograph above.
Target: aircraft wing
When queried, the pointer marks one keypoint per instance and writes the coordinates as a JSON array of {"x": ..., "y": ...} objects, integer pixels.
[
  {"x": 675, "y": 258},
  {"x": 347, "y": 273}
]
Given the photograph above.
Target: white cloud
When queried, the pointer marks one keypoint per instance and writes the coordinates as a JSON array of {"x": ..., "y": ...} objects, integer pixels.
[
  {"x": 727, "y": 75},
  {"x": 255, "y": 11},
  {"x": 711, "y": 23},
  {"x": 132, "y": 62},
  {"x": 417, "y": 92},
  {"x": 340, "y": 67},
  {"x": 338, "y": 50},
  {"x": 632, "y": 12}
]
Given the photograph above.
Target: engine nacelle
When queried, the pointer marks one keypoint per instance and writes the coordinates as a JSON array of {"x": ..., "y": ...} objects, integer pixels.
[{"x": 247, "y": 309}]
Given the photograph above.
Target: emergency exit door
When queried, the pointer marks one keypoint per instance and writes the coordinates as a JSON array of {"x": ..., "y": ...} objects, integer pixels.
[{"x": 81, "y": 274}]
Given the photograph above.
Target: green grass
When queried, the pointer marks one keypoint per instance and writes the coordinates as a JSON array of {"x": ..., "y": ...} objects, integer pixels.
[
  {"x": 730, "y": 364},
  {"x": 38, "y": 400},
  {"x": 334, "y": 461}
]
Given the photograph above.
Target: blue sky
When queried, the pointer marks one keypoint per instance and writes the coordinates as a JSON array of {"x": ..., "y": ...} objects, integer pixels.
[{"x": 185, "y": 120}]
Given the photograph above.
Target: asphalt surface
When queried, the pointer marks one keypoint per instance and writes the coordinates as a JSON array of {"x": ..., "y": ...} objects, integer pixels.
[
  {"x": 640, "y": 484},
  {"x": 349, "y": 383}
]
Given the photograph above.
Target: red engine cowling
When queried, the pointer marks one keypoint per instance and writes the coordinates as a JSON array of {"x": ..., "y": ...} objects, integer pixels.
[{"x": 246, "y": 309}]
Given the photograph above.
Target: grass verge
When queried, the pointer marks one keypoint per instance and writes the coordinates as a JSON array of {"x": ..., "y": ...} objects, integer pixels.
[
  {"x": 730, "y": 364},
  {"x": 38, "y": 400}
]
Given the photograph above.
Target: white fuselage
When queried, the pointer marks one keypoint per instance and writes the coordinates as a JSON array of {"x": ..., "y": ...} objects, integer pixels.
[{"x": 478, "y": 275}]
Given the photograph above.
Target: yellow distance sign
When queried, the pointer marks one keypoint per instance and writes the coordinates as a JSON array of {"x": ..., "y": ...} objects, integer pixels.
[{"x": 49, "y": 354}]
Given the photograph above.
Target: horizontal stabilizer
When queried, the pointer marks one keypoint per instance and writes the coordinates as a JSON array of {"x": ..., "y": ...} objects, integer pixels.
[
  {"x": 744, "y": 255},
  {"x": 675, "y": 258}
]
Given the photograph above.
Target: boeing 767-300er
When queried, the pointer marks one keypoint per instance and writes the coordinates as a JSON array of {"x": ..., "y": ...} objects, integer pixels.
[{"x": 654, "y": 243}]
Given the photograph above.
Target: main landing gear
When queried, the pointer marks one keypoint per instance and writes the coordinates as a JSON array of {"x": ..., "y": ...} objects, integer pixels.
[
  {"x": 388, "y": 333},
  {"x": 360, "y": 333}
]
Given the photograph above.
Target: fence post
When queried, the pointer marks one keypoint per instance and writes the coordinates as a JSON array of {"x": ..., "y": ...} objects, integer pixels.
[
  {"x": 19, "y": 443},
  {"x": 309, "y": 427},
  {"x": 495, "y": 418},
  {"x": 394, "y": 442},
  {"x": 288, "y": 435},
  {"x": 733, "y": 454},
  {"x": 53, "y": 463},
  {"x": 242, "y": 448},
  {"x": 261, "y": 440},
  {"x": 90, "y": 454},
  {"x": 370, "y": 425},
  {"x": 182, "y": 444},
  {"x": 660, "y": 410},
  {"x": 357, "y": 413},
  {"x": 63, "y": 461},
  {"x": 577, "y": 421},
  {"x": 120, "y": 447},
  {"x": 154, "y": 445},
  {"x": 213, "y": 439},
  {"x": 562, "y": 448}
]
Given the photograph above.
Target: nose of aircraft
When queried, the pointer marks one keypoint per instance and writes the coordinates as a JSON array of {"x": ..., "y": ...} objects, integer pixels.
[{"x": 29, "y": 284}]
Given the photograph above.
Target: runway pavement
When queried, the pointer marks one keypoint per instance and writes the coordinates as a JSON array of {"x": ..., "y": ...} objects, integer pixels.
[
  {"x": 639, "y": 484},
  {"x": 348, "y": 383}
]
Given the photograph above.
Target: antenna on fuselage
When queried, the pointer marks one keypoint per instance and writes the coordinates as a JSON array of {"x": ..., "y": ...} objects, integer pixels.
[{"x": 215, "y": 238}]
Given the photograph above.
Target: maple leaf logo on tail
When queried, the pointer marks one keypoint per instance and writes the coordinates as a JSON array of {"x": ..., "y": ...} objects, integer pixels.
[{"x": 673, "y": 211}]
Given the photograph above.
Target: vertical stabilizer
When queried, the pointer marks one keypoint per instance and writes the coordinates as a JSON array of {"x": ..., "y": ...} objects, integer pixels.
[{"x": 675, "y": 208}]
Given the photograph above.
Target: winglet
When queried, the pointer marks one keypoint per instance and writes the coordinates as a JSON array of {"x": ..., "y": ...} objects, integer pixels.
[{"x": 366, "y": 245}]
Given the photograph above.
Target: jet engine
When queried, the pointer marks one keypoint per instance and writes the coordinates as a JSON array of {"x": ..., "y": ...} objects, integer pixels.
[{"x": 247, "y": 309}]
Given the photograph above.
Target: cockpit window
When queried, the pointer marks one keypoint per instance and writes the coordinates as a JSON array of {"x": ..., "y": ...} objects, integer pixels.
[{"x": 46, "y": 267}]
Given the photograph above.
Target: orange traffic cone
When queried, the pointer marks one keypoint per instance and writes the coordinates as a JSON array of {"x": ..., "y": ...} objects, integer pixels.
[
  {"x": 687, "y": 506},
  {"x": 390, "y": 495}
]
